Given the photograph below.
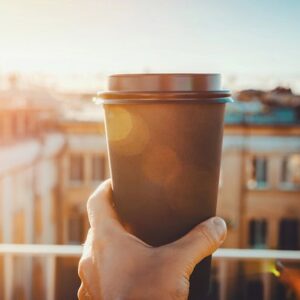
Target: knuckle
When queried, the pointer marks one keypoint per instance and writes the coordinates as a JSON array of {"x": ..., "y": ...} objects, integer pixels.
[
  {"x": 83, "y": 265},
  {"x": 177, "y": 290},
  {"x": 209, "y": 236},
  {"x": 180, "y": 292},
  {"x": 91, "y": 202},
  {"x": 95, "y": 197},
  {"x": 97, "y": 243},
  {"x": 108, "y": 230},
  {"x": 80, "y": 292}
]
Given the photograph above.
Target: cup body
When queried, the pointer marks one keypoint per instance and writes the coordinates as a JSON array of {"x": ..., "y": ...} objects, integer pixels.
[{"x": 165, "y": 163}]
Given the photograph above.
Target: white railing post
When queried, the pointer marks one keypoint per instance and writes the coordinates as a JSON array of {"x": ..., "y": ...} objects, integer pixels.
[
  {"x": 50, "y": 277},
  {"x": 8, "y": 276}
]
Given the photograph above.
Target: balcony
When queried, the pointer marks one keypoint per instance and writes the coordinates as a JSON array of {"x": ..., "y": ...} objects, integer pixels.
[{"x": 50, "y": 253}]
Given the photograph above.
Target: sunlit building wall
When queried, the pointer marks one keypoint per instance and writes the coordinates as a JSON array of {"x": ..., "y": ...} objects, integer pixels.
[
  {"x": 260, "y": 181},
  {"x": 259, "y": 198},
  {"x": 30, "y": 149},
  {"x": 50, "y": 163}
]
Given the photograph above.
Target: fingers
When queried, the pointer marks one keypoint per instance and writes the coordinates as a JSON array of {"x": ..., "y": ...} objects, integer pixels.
[
  {"x": 87, "y": 271},
  {"x": 200, "y": 242},
  {"x": 290, "y": 277},
  {"x": 88, "y": 276},
  {"x": 100, "y": 207},
  {"x": 87, "y": 246},
  {"x": 83, "y": 294}
]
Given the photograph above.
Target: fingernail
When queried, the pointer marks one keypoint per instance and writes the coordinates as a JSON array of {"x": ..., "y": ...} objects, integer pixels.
[{"x": 220, "y": 227}]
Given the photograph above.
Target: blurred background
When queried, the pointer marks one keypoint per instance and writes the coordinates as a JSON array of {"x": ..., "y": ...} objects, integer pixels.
[{"x": 56, "y": 55}]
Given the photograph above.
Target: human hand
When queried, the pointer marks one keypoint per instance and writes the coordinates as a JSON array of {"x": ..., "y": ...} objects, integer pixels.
[
  {"x": 115, "y": 265},
  {"x": 290, "y": 277}
]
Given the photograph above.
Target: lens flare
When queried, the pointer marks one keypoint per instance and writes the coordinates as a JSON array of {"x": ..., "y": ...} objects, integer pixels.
[
  {"x": 127, "y": 133},
  {"x": 161, "y": 164},
  {"x": 119, "y": 123}
]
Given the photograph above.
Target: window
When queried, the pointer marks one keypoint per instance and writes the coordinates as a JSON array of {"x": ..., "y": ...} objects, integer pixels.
[
  {"x": 27, "y": 124},
  {"x": 76, "y": 168},
  {"x": 14, "y": 125},
  {"x": 288, "y": 238},
  {"x": 2, "y": 128},
  {"x": 258, "y": 172},
  {"x": 290, "y": 171},
  {"x": 284, "y": 170},
  {"x": 19, "y": 221},
  {"x": 98, "y": 167},
  {"x": 18, "y": 124},
  {"x": 258, "y": 233},
  {"x": 38, "y": 220},
  {"x": 76, "y": 227},
  {"x": 6, "y": 127}
]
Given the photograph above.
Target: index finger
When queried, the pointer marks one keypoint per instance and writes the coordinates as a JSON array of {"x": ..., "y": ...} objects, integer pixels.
[{"x": 100, "y": 206}]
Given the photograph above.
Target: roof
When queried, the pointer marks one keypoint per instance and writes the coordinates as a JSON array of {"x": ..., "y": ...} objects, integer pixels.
[
  {"x": 256, "y": 107},
  {"x": 279, "y": 96},
  {"x": 27, "y": 99}
]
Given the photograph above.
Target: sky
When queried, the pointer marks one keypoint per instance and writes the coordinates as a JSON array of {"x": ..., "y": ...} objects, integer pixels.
[{"x": 257, "y": 37}]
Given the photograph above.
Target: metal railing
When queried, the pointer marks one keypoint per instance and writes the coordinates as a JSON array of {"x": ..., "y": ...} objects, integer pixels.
[{"x": 51, "y": 252}]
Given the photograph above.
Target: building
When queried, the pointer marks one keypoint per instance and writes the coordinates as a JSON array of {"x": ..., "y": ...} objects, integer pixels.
[
  {"x": 84, "y": 165},
  {"x": 53, "y": 155},
  {"x": 260, "y": 183},
  {"x": 261, "y": 167},
  {"x": 30, "y": 152}
]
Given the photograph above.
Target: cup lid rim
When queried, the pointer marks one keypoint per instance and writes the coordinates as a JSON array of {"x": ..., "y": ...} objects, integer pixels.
[{"x": 165, "y": 82}]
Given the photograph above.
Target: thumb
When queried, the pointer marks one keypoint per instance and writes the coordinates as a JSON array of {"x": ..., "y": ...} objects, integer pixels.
[{"x": 201, "y": 241}]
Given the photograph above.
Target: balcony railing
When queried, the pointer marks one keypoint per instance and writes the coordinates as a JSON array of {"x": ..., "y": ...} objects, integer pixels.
[{"x": 51, "y": 252}]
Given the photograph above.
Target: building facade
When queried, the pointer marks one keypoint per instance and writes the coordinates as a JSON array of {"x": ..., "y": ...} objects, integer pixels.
[
  {"x": 30, "y": 150},
  {"x": 51, "y": 161},
  {"x": 259, "y": 198}
]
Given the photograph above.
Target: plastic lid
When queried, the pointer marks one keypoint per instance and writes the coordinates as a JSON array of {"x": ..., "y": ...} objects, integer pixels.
[
  {"x": 134, "y": 88},
  {"x": 165, "y": 82}
]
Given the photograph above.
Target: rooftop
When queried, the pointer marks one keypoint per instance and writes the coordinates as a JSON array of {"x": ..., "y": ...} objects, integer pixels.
[
  {"x": 279, "y": 106},
  {"x": 256, "y": 107}
]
